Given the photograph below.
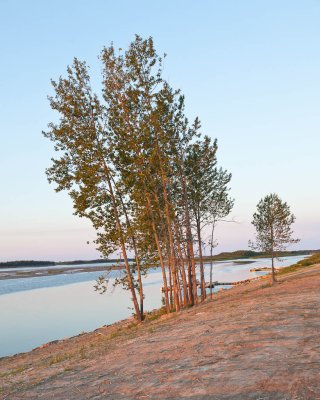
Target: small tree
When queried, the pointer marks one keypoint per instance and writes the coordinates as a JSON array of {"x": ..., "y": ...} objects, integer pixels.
[{"x": 272, "y": 222}]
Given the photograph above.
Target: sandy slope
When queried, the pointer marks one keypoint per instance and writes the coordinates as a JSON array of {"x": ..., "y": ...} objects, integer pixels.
[{"x": 253, "y": 342}]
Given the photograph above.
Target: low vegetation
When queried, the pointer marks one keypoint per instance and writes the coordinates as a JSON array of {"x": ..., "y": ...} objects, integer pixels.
[
  {"x": 314, "y": 259},
  {"x": 56, "y": 359}
]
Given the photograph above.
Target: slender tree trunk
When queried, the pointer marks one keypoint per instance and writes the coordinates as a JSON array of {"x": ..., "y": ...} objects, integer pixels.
[
  {"x": 179, "y": 288},
  {"x": 193, "y": 295},
  {"x": 192, "y": 266},
  {"x": 170, "y": 280},
  {"x": 157, "y": 241},
  {"x": 211, "y": 262},
  {"x": 190, "y": 279},
  {"x": 177, "y": 242},
  {"x": 163, "y": 269},
  {"x": 136, "y": 255},
  {"x": 122, "y": 243},
  {"x": 174, "y": 284},
  {"x": 272, "y": 267},
  {"x": 189, "y": 272},
  {"x": 273, "y": 279},
  {"x": 124, "y": 252},
  {"x": 183, "y": 273},
  {"x": 202, "y": 281},
  {"x": 139, "y": 274},
  {"x": 170, "y": 237},
  {"x": 164, "y": 275},
  {"x": 178, "y": 281}
]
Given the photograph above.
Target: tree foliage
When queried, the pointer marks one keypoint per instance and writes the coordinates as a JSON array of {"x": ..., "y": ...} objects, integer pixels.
[{"x": 134, "y": 165}]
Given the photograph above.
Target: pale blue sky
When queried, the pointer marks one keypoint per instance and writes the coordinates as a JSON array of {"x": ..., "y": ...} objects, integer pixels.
[{"x": 249, "y": 70}]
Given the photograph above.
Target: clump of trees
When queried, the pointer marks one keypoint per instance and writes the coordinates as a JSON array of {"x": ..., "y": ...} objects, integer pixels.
[
  {"x": 138, "y": 169},
  {"x": 272, "y": 221}
]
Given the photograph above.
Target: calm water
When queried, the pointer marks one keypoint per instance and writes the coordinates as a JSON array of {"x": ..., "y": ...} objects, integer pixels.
[{"x": 41, "y": 309}]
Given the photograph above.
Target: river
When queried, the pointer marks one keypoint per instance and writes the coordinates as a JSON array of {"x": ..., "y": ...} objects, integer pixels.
[{"x": 37, "y": 310}]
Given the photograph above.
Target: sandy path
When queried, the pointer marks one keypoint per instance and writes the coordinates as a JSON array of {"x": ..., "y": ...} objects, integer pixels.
[{"x": 254, "y": 342}]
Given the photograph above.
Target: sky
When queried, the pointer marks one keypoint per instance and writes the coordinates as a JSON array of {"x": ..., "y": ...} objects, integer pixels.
[{"x": 249, "y": 69}]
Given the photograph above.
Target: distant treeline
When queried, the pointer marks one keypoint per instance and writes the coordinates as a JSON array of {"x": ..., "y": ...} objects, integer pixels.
[
  {"x": 256, "y": 254},
  {"x": 218, "y": 257},
  {"x": 30, "y": 263}
]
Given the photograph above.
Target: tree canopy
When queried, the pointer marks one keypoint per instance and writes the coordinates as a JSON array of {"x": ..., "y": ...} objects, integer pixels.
[{"x": 137, "y": 168}]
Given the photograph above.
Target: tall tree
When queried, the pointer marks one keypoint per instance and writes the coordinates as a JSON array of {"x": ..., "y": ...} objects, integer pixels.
[
  {"x": 84, "y": 168},
  {"x": 208, "y": 191},
  {"x": 272, "y": 221}
]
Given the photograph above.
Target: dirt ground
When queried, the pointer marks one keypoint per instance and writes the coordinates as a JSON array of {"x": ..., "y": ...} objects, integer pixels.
[{"x": 252, "y": 342}]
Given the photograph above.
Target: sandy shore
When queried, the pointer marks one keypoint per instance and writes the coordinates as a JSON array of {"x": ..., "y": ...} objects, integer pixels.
[
  {"x": 253, "y": 342},
  {"x": 14, "y": 273}
]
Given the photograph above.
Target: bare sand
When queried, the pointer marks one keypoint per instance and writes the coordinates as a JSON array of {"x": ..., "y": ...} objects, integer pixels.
[
  {"x": 15, "y": 273},
  {"x": 252, "y": 342}
]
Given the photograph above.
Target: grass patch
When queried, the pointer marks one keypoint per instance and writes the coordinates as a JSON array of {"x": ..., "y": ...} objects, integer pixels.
[
  {"x": 82, "y": 353},
  {"x": 306, "y": 262},
  {"x": 55, "y": 271},
  {"x": 114, "y": 335},
  {"x": 153, "y": 315},
  {"x": 59, "y": 358},
  {"x": 131, "y": 328},
  {"x": 123, "y": 331},
  {"x": 14, "y": 371}
]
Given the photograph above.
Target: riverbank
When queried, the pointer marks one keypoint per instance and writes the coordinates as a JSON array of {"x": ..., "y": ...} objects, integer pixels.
[{"x": 252, "y": 341}]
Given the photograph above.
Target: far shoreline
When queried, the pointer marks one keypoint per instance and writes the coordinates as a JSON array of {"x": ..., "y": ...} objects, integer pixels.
[
  {"x": 15, "y": 272},
  {"x": 224, "y": 256}
]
